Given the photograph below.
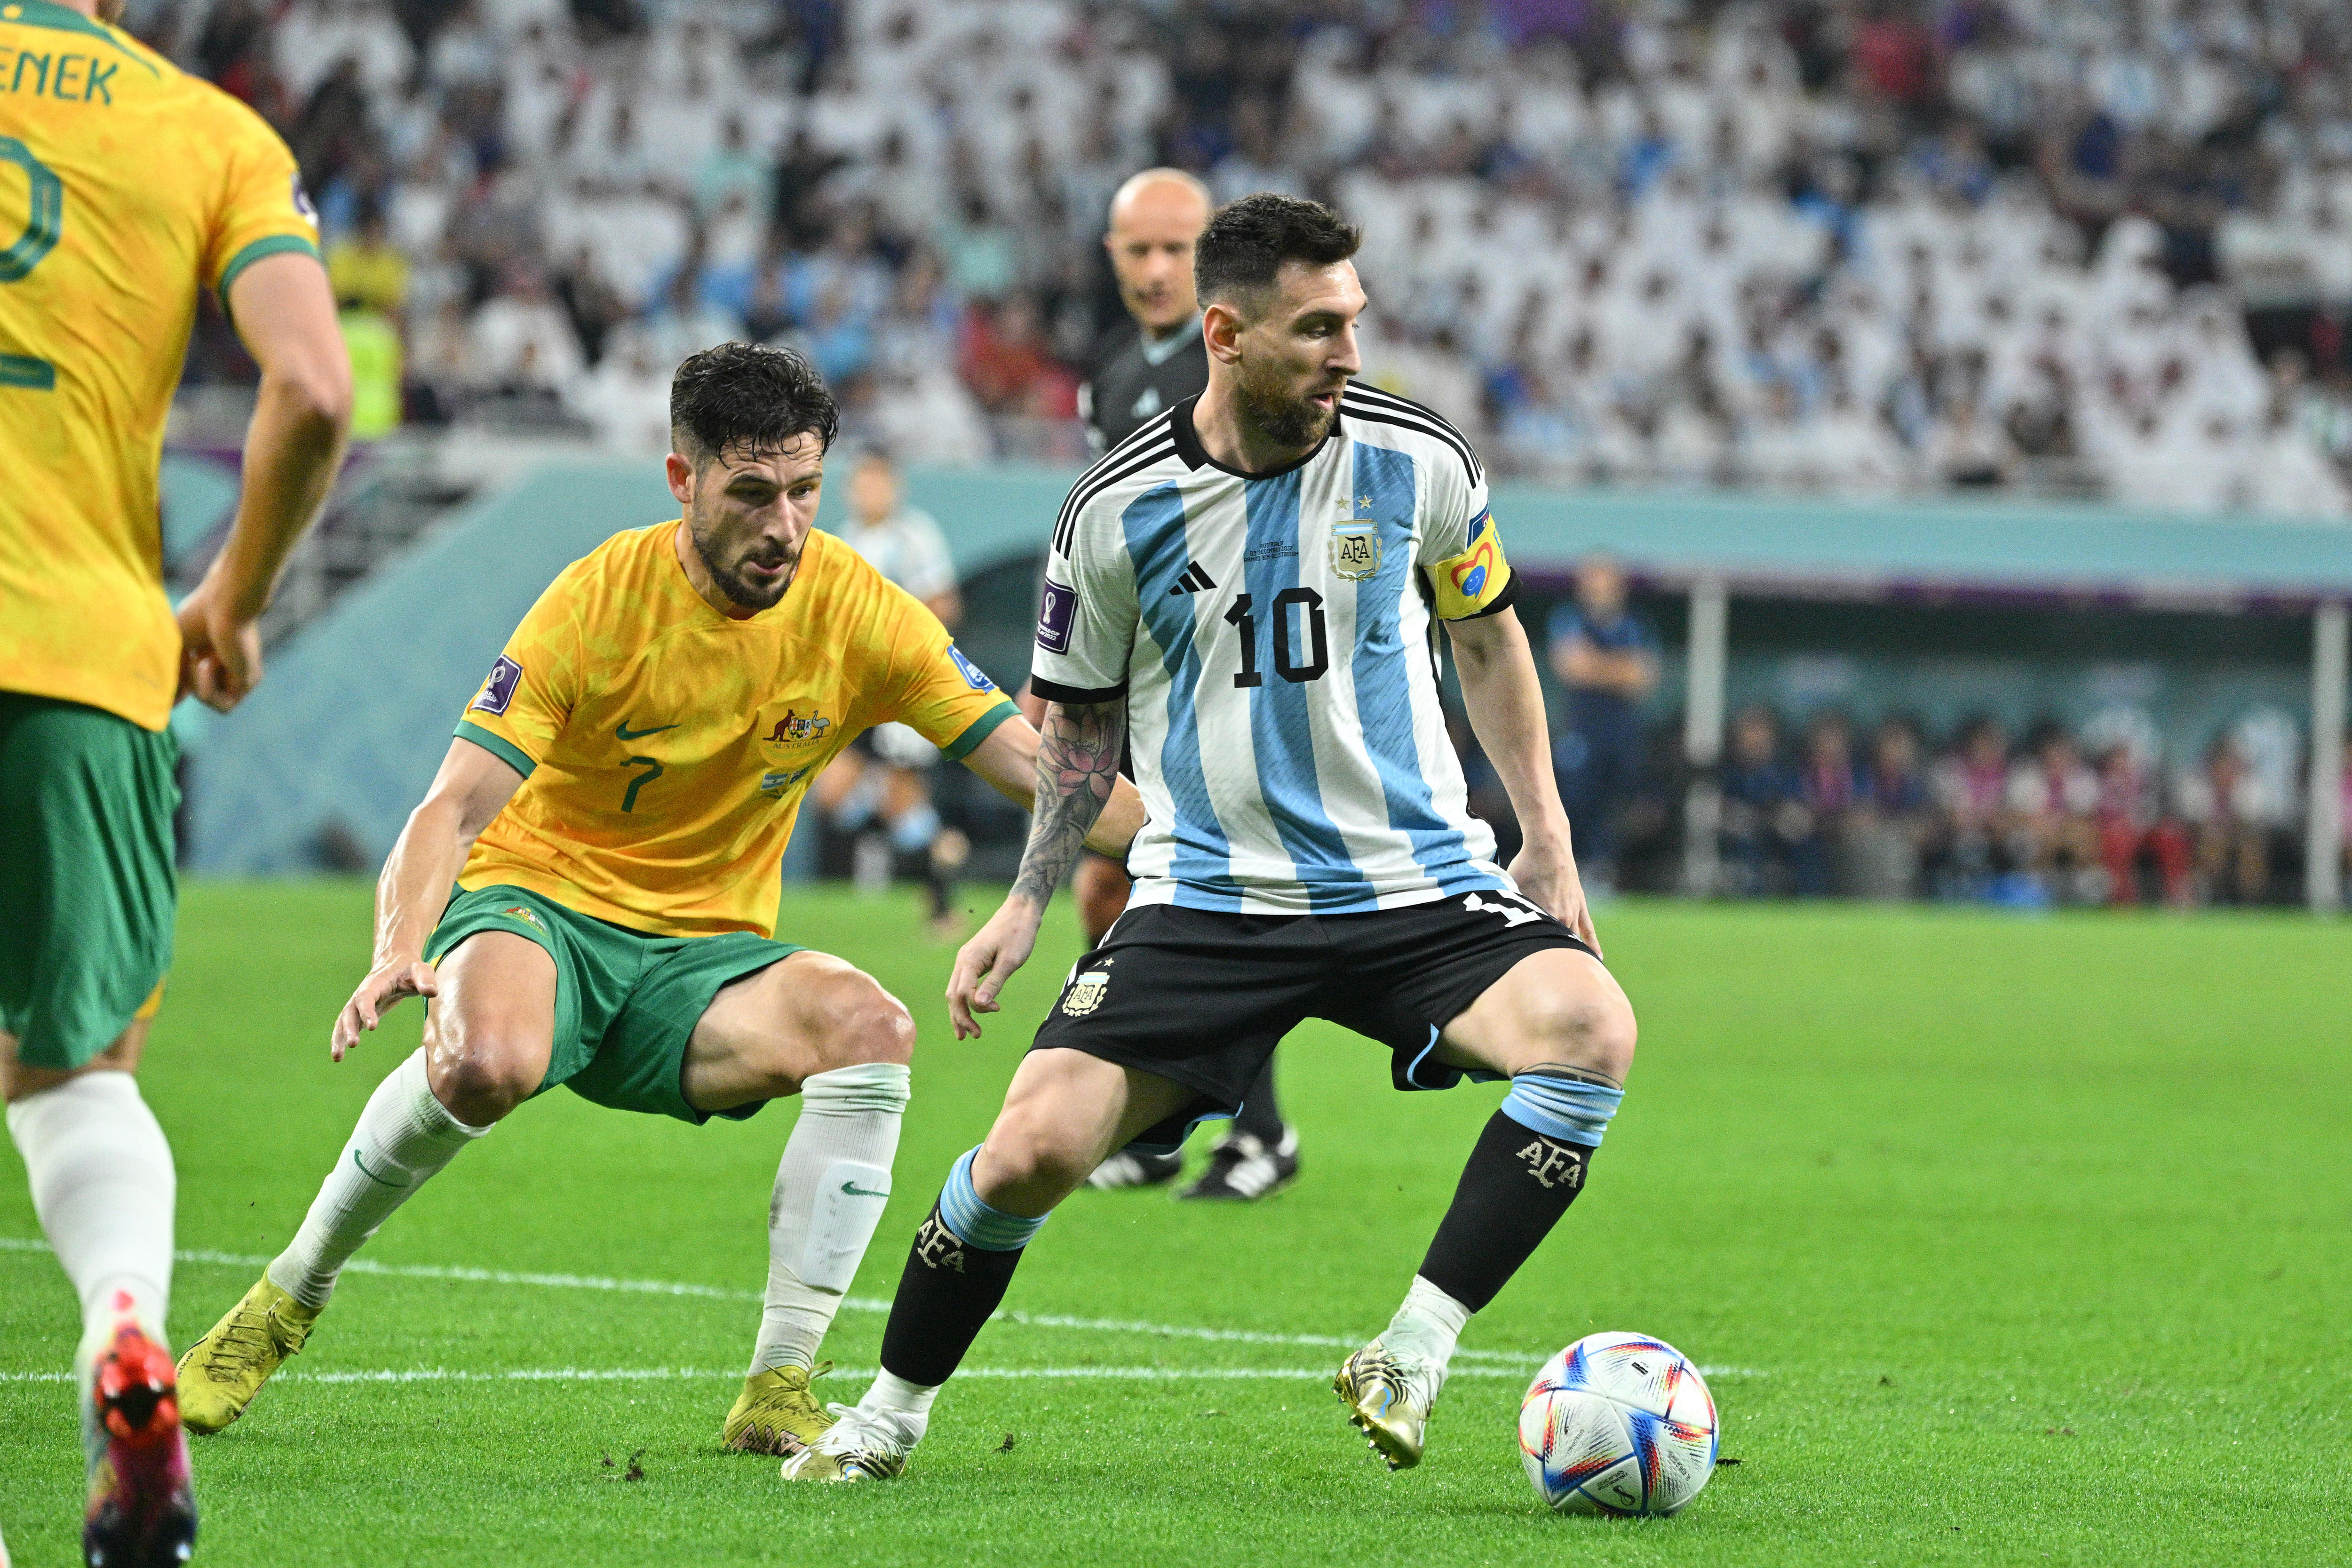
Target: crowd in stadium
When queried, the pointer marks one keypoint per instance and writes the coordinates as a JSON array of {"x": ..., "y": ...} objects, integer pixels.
[{"x": 1865, "y": 248}]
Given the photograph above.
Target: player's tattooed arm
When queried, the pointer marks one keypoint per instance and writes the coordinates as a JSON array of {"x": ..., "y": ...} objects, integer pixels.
[
  {"x": 1077, "y": 772},
  {"x": 1077, "y": 767}
]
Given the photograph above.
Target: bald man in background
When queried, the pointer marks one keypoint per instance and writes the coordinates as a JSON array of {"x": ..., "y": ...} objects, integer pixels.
[{"x": 1154, "y": 219}]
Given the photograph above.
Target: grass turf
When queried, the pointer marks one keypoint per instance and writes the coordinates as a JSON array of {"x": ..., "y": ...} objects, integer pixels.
[{"x": 2014, "y": 1237}]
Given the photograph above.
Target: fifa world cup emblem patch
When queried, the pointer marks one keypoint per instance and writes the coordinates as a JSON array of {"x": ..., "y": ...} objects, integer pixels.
[
  {"x": 1086, "y": 993},
  {"x": 1355, "y": 550}
]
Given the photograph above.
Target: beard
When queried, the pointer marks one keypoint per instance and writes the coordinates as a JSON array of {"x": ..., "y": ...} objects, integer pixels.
[
  {"x": 729, "y": 578},
  {"x": 1282, "y": 416}
]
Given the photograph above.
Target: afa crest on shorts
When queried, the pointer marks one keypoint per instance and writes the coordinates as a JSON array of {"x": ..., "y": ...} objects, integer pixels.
[
  {"x": 1355, "y": 550},
  {"x": 1086, "y": 993}
]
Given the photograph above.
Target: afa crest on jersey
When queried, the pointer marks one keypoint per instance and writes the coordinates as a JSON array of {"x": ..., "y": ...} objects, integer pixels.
[
  {"x": 1086, "y": 993},
  {"x": 1355, "y": 550}
]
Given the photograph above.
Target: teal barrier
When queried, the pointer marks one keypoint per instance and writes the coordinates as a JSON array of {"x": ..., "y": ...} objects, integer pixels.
[{"x": 356, "y": 710}]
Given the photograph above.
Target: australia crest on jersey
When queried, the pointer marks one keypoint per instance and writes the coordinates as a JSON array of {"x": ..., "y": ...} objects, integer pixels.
[
  {"x": 1086, "y": 993},
  {"x": 794, "y": 727},
  {"x": 1356, "y": 549}
]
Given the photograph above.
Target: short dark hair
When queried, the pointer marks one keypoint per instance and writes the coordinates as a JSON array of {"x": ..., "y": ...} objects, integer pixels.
[
  {"x": 743, "y": 396},
  {"x": 1247, "y": 241}
]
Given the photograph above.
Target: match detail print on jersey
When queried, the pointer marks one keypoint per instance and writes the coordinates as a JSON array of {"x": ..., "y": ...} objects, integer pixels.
[{"x": 1275, "y": 635}]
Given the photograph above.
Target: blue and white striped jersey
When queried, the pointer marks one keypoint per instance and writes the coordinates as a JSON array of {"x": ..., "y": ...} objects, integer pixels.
[{"x": 1275, "y": 635}]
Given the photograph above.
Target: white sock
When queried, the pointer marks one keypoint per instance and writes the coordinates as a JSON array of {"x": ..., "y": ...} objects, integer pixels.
[
  {"x": 1427, "y": 1326},
  {"x": 831, "y": 1188},
  {"x": 905, "y": 1405},
  {"x": 403, "y": 1137},
  {"x": 103, "y": 1186}
]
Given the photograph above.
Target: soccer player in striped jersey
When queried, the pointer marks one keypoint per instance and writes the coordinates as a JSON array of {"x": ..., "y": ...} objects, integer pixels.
[{"x": 1252, "y": 586}]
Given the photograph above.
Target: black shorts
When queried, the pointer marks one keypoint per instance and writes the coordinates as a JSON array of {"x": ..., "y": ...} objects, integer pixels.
[{"x": 1203, "y": 997}]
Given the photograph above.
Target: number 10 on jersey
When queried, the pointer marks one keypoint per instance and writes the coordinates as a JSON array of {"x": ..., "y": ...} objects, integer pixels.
[{"x": 1287, "y": 664}]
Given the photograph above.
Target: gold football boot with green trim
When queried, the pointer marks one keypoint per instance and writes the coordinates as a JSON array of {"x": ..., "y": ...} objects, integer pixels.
[
  {"x": 223, "y": 1371},
  {"x": 775, "y": 1413},
  {"x": 1388, "y": 1398}
]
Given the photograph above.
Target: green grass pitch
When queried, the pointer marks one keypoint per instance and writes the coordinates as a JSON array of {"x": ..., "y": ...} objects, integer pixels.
[{"x": 2013, "y": 1240}]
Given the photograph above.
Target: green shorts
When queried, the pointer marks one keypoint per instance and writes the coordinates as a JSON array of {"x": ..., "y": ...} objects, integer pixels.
[
  {"x": 625, "y": 1002},
  {"x": 86, "y": 885}
]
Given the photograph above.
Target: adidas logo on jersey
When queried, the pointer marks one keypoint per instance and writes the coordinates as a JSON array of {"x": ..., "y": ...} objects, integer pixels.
[{"x": 1195, "y": 580}]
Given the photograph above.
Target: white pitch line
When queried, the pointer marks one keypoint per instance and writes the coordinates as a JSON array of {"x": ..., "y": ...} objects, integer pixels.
[
  {"x": 680, "y": 1375},
  {"x": 854, "y": 1303},
  {"x": 1514, "y": 1363}
]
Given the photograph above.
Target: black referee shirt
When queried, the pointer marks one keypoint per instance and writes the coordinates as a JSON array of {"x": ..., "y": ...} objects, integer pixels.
[{"x": 1135, "y": 379}]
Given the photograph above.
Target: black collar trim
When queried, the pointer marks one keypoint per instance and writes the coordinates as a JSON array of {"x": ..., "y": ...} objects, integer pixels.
[{"x": 1195, "y": 456}]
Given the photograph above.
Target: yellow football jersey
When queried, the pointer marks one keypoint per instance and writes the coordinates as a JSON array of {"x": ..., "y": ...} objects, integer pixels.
[
  {"x": 126, "y": 185},
  {"x": 665, "y": 747}
]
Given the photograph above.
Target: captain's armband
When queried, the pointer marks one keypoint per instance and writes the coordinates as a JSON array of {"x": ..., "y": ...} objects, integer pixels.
[{"x": 1478, "y": 581}]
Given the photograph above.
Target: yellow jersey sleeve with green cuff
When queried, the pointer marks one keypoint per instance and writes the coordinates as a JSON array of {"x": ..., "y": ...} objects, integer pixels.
[
  {"x": 127, "y": 187},
  {"x": 525, "y": 700},
  {"x": 935, "y": 690},
  {"x": 263, "y": 209}
]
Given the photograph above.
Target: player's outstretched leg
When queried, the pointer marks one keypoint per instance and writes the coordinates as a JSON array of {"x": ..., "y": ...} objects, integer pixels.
[
  {"x": 1064, "y": 1111},
  {"x": 405, "y": 1137},
  {"x": 103, "y": 1186},
  {"x": 829, "y": 1033},
  {"x": 487, "y": 1043},
  {"x": 1559, "y": 1027}
]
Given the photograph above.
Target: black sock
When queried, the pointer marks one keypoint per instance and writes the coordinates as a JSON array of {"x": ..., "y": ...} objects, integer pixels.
[
  {"x": 948, "y": 1291},
  {"x": 941, "y": 885},
  {"x": 1514, "y": 1190},
  {"x": 1260, "y": 1116}
]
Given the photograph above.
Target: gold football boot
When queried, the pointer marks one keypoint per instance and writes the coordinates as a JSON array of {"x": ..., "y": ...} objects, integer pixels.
[
  {"x": 222, "y": 1372},
  {"x": 858, "y": 1447},
  {"x": 775, "y": 1413},
  {"x": 1388, "y": 1399}
]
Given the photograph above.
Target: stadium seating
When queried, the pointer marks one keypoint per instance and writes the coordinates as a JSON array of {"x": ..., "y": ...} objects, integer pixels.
[{"x": 1776, "y": 244}]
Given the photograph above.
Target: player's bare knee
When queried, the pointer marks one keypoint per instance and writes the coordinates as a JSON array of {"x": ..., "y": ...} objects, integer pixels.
[
  {"x": 1594, "y": 1031},
  {"x": 857, "y": 1021},
  {"x": 1029, "y": 1165},
  {"x": 480, "y": 1077}
]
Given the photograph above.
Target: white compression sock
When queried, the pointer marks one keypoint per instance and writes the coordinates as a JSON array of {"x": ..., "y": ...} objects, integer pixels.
[
  {"x": 1427, "y": 1324},
  {"x": 830, "y": 1188},
  {"x": 906, "y": 1405},
  {"x": 403, "y": 1137},
  {"x": 103, "y": 1187}
]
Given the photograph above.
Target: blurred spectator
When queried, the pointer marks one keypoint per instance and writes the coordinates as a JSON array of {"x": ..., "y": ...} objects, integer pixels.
[
  {"x": 1971, "y": 791},
  {"x": 2053, "y": 802},
  {"x": 902, "y": 541},
  {"x": 1831, "y": 789},
  {"x": 1607, "y": 659},
  {"x": 2133, "y": 835},
  {"x": 2233, "y": 813},
  {"x": 1892, "y": 817},
  {"x": 365, "y": 269},
  {"x": 524, "y": 349},
  {"x": 1772, "y": 840}
]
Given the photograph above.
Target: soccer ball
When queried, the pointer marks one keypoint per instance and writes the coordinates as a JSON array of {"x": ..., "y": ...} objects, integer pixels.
[{"x": 1617, "y": 1424}]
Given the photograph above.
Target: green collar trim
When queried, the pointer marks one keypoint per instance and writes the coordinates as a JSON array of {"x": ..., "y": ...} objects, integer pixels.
[{"x": 64, "y": 20}]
